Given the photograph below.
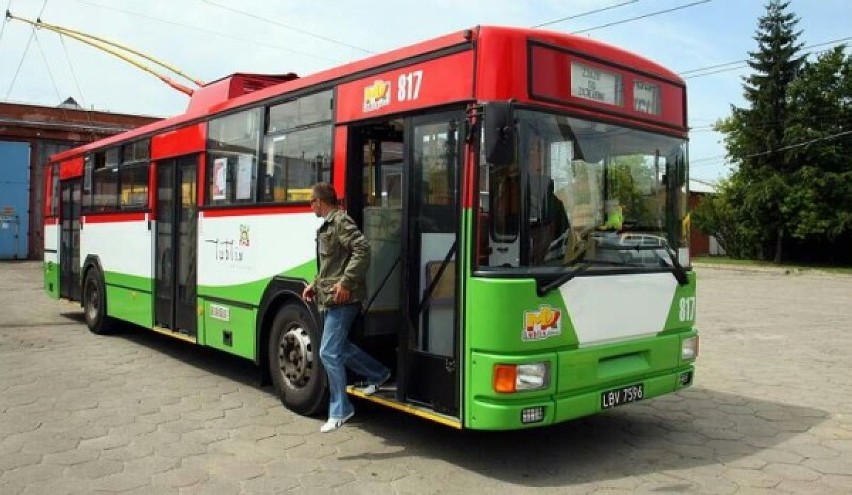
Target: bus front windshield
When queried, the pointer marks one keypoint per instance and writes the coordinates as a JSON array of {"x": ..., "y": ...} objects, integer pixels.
[{"x": 581, "y": 192}]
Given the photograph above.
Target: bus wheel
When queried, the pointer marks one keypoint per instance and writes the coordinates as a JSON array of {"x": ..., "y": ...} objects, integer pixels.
[
  {"x": 294, "y": 362},
  {"x": 94, "y": 304}
]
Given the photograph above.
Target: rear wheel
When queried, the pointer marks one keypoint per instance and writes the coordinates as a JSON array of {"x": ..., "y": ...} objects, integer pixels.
[
  {"x": 294, "y": 361},
  {"x": 94, "y": 303}
]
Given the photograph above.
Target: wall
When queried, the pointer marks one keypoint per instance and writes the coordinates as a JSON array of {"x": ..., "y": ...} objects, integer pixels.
[
  {"x": 45, "y": 131},
  {"x": 14, "y": 199}
]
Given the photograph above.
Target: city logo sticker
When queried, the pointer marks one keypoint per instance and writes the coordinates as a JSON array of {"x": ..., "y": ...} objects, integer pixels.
[
  {"x": 377, "y": 95},
  {"x": 541, "y": 324},
  {"x": 231, "y": 249}
]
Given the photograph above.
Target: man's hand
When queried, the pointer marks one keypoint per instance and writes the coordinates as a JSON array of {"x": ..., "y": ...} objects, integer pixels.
[
  {"x": 341, "y": 294},
  {"x": 308, "y": 293}
]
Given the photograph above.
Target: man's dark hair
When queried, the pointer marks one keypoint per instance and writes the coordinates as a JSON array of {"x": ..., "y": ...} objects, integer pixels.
[{"x": 324, "y": 192}]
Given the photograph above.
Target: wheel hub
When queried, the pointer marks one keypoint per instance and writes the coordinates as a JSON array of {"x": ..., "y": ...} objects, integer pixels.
[
  {"x": 295, "y": 357},
  {"x": 92, "y": 302}
]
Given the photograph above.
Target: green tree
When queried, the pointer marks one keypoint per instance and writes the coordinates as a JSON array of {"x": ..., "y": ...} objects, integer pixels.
[
  {"x": 724, "y": 216},
  {"x": 819, "y": 207},
  {"x": 755, "y": 135}
]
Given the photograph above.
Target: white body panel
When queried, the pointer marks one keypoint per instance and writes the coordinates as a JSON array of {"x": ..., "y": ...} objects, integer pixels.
[
  {"x": 243, "y": 249},
  {"x": 122, "y": 247},
  {"x": 608, "y": 308},
  {"x": 51, "y": 242}
]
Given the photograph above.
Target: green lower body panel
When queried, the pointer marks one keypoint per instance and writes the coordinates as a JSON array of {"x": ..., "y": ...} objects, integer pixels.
[
  {"x": 51, "y": 279},
  {"x": 590, "y": 402},
  {"x": 130, "y": 305},
  {"x": 489, "y": 414},
  {"x": 228, "y": 327}
]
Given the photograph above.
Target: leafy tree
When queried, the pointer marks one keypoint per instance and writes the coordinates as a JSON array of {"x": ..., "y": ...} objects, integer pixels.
[
  {"x": 755, "y": 136},
  {"x": 723, "y": 216},
  {"x": 819, "y": 207}
]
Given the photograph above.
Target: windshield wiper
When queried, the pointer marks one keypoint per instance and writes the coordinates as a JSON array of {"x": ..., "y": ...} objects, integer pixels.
[
  {"x": 677, "y": 269},
  {"x": 562, "y": 279}
]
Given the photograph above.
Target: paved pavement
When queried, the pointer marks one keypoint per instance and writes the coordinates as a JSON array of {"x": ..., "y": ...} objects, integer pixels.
[{"x": 139, "y": 413}]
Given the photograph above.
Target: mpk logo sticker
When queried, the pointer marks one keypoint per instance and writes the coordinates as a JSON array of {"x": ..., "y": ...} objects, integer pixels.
[
  {"x": 541, "y": 324},
  {"x": 377, "y": 95}
]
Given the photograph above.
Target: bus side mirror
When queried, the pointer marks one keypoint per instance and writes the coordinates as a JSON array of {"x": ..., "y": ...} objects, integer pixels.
[{"x": 499, "y": 133}]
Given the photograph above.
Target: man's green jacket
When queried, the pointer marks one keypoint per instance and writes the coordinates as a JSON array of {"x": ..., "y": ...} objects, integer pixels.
[{"x": 343, "y": 255}]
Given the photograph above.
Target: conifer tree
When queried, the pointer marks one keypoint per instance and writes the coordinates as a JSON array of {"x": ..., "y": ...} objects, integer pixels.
[{"x": 755, "y": 135}]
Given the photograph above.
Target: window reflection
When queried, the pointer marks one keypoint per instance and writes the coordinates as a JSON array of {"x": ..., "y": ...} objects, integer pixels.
[{"x": 578, "y": 188}]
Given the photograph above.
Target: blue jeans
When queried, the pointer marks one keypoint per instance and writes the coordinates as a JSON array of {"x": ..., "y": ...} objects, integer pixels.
[{"x": 337, "y": 354}]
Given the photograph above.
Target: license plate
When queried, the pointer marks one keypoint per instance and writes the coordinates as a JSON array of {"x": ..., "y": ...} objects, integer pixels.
[{"x": 621, "y": 396}]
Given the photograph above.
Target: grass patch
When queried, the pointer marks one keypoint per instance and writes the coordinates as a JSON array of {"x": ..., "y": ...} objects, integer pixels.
[{"x": 724, "y": 260}]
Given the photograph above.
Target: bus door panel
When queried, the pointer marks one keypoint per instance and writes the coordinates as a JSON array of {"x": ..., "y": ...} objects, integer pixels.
[
  {"x": 374, "y": 200},
  {"x": 431, "y": 350},
  {"x": 175, "y": 249},
  {"x": 69, "y": 248}
]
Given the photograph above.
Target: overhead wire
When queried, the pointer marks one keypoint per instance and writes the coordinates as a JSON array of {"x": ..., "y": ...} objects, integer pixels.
[
  {"x": 285, "y": 26},
  {"x": 716, "y": 159},
  {"x": 742, "y": 63},
  {"x": 799, "y": 145},
  {"x": 583, "y": 14},
  {"x": 24, "y": 56},
  {"x": 207, "y": 31},
  {"x": 724, "y": 67},
  {"x": 73, "y": 72},
  {"x": 811, "y": 118},
  {"x": 644, "y": 16},
  {"x": 50, "y": 75},
  {"x": 79, "y": 88},
  {"x": 5, "y": 21}
]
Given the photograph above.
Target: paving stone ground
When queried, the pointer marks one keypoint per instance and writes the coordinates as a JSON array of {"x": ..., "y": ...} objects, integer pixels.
[{"x": 139, "y": 413}]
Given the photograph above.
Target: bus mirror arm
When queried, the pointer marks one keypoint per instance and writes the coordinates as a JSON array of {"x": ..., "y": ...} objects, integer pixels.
[{"x": 499, "y": 133}]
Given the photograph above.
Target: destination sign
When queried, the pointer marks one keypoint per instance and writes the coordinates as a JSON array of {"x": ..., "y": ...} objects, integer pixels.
[
  {"x": 646, "y": 97},
  {"x": 595, "y": 84},
  {"x": 616, "y": 83}
]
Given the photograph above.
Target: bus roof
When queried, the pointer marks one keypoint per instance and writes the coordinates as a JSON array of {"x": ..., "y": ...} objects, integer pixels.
[{"x": 240, "y": 89}]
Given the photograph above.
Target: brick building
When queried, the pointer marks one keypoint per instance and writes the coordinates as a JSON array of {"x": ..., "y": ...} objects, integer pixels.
[
  {"x": 29, "y": 134},
  {"x": 701, "y": 244}
]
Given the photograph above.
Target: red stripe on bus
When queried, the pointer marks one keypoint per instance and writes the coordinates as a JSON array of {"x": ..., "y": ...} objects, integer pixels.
[
  {"x": 338, "y": 176},
  {"x": 184, "y": 141},
  {"x": 201, "y": 179},
  {"x": 114, "y": 217},
  {"x": 264, "y": 210},
  {"x": 71, "y": 168}
]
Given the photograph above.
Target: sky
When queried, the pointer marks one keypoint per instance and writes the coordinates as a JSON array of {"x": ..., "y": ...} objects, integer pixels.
[{"x": 209, "y": 39}]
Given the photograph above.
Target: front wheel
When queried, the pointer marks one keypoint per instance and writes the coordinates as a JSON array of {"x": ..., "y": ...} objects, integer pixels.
[
  {"x": 294, "y": 362},
  {"x": 94, "y": 304}
]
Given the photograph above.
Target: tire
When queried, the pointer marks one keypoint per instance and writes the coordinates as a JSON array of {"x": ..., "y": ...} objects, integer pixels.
[
  {"x": 95, "y": 304},
  {"x": 294, "y": 363}
]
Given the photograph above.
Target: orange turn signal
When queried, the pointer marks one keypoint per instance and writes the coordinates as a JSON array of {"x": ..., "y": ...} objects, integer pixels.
[{"x": 505, "y": 376}]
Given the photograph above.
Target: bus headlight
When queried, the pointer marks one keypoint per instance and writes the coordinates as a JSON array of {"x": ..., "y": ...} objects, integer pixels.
[
  {"x": 510, "y": 378},
  {"x": 689, "y": 348}
]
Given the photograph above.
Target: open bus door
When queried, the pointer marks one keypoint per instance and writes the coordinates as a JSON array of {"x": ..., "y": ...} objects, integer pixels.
[
  {"x": 403, "y": 188},
  {"x": 175, "y": 261},
  {"x": 70, "y": 201}
]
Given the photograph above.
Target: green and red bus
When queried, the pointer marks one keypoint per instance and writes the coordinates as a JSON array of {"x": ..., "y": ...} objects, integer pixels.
[{"x": 523, "y": 191}]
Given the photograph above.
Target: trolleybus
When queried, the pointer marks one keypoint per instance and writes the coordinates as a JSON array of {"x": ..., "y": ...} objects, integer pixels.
[{"x": 523, "y": 193}]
